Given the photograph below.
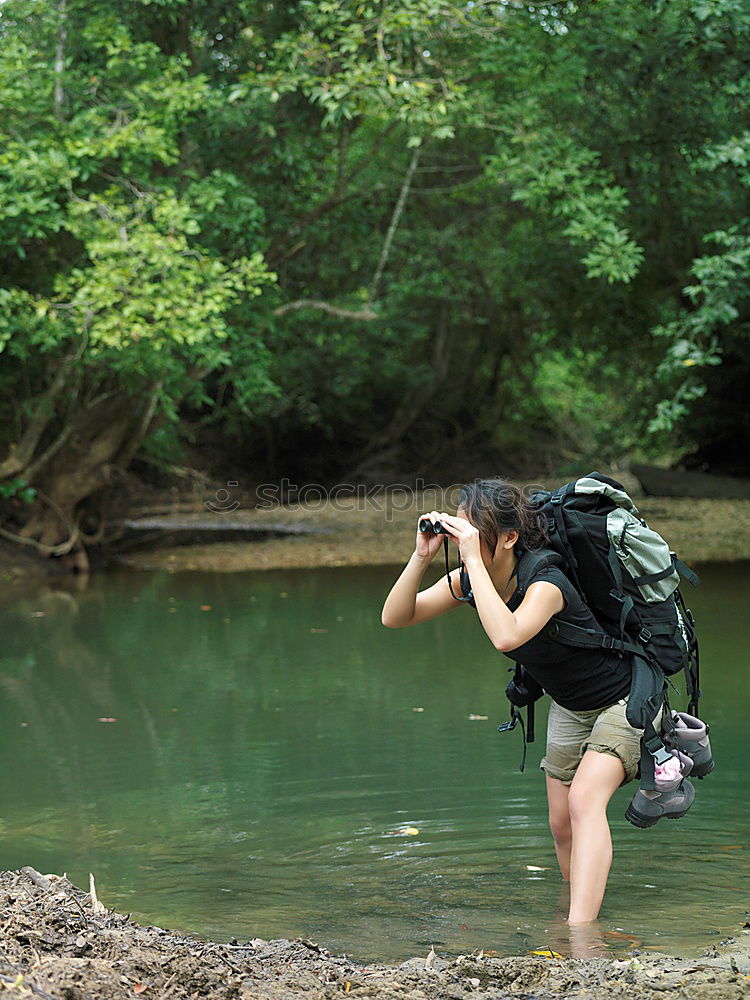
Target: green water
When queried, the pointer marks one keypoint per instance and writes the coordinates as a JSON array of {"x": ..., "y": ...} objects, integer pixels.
[{"x": 267, "y": 759}]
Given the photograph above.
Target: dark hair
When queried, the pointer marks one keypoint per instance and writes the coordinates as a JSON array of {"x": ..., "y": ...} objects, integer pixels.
[{"x": 496, "y": 505}]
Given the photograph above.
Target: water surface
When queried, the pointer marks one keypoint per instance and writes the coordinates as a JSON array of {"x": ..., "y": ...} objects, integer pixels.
[{"x": 272, "y": 744}]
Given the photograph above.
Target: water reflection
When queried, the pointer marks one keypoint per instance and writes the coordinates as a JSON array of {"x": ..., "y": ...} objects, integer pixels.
[{"x": 240, "y": 755}]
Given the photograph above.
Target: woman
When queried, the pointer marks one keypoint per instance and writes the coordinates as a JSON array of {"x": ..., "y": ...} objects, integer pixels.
[{"x": 591, "y": 748}]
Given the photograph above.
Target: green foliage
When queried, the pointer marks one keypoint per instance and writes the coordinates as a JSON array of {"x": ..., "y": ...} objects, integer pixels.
[
  {"x": 718, "y": 301},
  {"x": 548, "y": 170},
  {"x": 17, "y": 488},
  {"x": 184, "y": 172}
]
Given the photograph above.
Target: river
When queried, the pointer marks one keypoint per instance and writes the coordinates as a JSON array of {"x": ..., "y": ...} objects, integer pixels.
[{"x": 253, "y": 754}]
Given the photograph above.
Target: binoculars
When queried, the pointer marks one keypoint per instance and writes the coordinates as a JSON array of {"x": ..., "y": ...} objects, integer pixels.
[{"x": 437, "y": 528}]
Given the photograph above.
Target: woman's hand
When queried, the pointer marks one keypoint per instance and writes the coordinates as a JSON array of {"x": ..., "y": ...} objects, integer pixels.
[
  {"x": 465, "y": 535},
  {"x": 428, "y": 542}
]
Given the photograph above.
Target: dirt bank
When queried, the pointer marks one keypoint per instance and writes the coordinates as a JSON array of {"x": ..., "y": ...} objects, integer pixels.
[
  {"x": 376, "y": 528},
  {"x": 380, "y": 531},
  {"x": 55, "y": 941}
]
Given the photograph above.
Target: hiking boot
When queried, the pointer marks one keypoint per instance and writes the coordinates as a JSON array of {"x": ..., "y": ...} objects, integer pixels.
[
  {"x": 648, "y": 808},
  {"x": 690, "y": 735}
]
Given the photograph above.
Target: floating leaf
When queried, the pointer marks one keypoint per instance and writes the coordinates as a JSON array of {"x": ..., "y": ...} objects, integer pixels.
[
  {"x": 417, "y": 710},
  {"x": 103, "y": 719},
  {"x": 478, "y": 718},
  {"x": 205, "y": 607},
  {"x": 536, "y": 868},
  {"x": 318, "y": 630}
]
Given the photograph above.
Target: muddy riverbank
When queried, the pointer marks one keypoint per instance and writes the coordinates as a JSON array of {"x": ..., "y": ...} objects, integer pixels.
[
  {"x": 381, "y": 532},
  {"x": 230, "y": 531},
  {"x": 58, "y": 941}
]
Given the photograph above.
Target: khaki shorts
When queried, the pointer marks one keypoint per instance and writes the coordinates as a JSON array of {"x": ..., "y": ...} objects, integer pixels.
[{"x": 606, "y": 730}]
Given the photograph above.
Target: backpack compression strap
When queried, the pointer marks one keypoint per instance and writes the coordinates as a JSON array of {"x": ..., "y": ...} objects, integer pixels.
[{"x": 648, "y": 687}]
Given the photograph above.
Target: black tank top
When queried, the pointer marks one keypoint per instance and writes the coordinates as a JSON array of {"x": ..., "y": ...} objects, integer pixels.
[{"x": 577, "y": 679}]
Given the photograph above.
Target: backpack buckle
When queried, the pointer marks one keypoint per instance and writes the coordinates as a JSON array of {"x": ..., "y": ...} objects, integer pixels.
[
  {"x": 644, "y": 635},
  {"x": 608, "y": 642}
]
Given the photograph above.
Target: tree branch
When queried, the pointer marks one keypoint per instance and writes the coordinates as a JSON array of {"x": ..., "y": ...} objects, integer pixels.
[
  {"x": 276, "y": 254},
  {"x": 50, "y": 550},
  {"x": 128, "y": 453},
  {"x": 395, "y": 218},
  {"x": 21, "y": 455},
  {"x": 62, "y": 40},
  {"x": 364, "y": 314}
]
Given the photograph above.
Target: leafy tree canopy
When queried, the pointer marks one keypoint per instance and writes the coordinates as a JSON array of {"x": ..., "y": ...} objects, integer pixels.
[{"x": 381, "y": 238}]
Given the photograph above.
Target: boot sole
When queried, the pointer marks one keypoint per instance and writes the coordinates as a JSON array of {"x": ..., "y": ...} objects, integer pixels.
[
  {"x": 644, "y": 822},
  {"x": 703, "y": 770}
]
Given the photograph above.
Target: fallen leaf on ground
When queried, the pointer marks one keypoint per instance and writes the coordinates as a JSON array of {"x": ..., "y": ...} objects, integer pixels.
[
  {"x": 140, "y": 987},
  {"x": 546, "y": 953}
]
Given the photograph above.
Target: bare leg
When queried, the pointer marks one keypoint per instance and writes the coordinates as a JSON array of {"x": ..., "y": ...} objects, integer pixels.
[
  {"x": 559, "y": 822},
  {"x": 597, "y": 778}
]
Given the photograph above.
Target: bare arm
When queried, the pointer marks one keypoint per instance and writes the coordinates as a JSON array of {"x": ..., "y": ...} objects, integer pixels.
[
  {"x": 405, "y": 605},
  {"x": 506, "y": 629}
]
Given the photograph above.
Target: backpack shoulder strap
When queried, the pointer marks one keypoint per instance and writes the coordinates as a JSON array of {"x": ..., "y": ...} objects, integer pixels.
[{"x": 531, "y": 563}]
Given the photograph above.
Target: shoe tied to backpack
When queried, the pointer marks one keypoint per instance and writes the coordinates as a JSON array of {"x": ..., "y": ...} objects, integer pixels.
[
  {"x": 690, "y": 736},
  {"x": 648, "y": 807}
]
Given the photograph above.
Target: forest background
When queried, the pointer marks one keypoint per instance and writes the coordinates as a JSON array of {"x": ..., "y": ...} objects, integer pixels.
[{"x": 367, "y": 241}]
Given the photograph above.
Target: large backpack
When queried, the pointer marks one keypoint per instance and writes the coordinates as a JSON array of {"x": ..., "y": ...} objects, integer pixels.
[{"x": 629, "y": 578}]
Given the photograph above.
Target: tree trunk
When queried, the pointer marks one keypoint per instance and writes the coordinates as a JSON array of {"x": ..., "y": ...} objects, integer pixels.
[{"x": 81, "y": 467}]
